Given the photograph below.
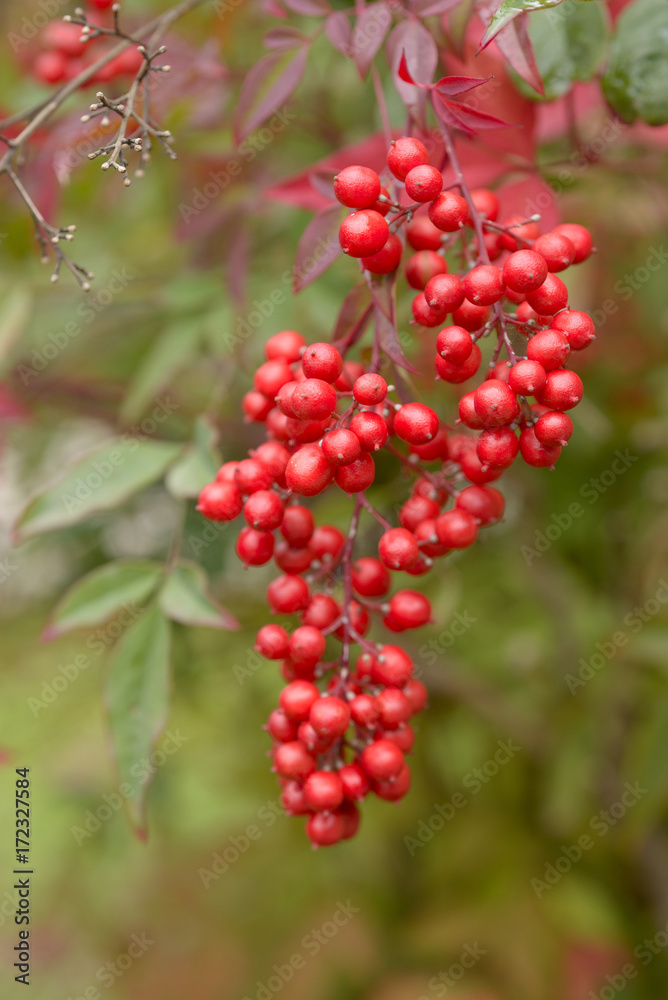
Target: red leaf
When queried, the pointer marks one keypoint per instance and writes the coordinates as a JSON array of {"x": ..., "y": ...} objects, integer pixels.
[
  {"x": 309, "y": 8},
  {"x": 403, "y": 70},
  {"x": 318, "y": 247},
  {"x": 514, "y": 43},
  {"x": 474, "y": 120},
  {"x": 263, "y": 92},
  {"x": 339, "y": 31},
  {"x": 451, "y": 86},
  {"x": 411, "y": 41},
  {"x": 322, "y": 181},
  {"x": 371, "y": 27},
  {"x": 284, "y": 38}
]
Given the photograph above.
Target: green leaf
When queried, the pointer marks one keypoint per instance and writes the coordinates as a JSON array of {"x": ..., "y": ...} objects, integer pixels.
[
  {"x": 170, "y": 351},
  {"x": 14, "y": 317},
  {"x": 185, "y": 598},
  {"x": 101, "y": 594},
  {"x": 101, "y": 480},
  {"x": 508, "y": 10},
  {"x": 569, "y": 45},
  {"x": 636, "y": 79},
  {"x": 137, "y": 702},
  {"x": 199, "y": 463}
]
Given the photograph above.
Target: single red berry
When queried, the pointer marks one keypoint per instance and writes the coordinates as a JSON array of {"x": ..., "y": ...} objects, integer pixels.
[
  {"x": 417, "y": 509},
  {"x": 484, "y": 502},
  {"x": 493, "y": 244},
  {"x": 484, "y": 285},
  {"x": 549, "y": 348},
  {"x": 220, "y": 501},
  {"x": 323, "y": 791},
  {"x": 456, "y": 529},
  {"x": 468, "y": 414},
  {"x": 536, "y": 454},
  {"x": 325, "y": 828},
  {"x": 424, "y": 314},
  {"x": 264, "y": 510},
  {"x": 357, "y": 187},
  {"x": 470, "y": 316},
  {"x": 255, "y": 548},
  {"x": 486, "y": 203},
  {"x": 410, "y": 608},
  {"x": 518, "y": 230},
  {"x": 557, "y": 250},
  {"x": 283, "y": 397},
  {"x": 370, "y": 389},
  {"x": 50, "y": 67},
  {"x": 364, "y": 710},
  {"x": 306, "y": 431},
  {"x": 370, "y": 429},
  {"x": 473, "y": 469},
  {"x": 329, "y": 716},
  {"x": 524, "y": 271},
  {"x": 388, "y": 257},
  {"x": 291, "y": 560},
  {"x": 422, "y": 266},
  {"x": 398, "y": 548},
  {"x": 321, "y": 612},
  {"x": 526, "y": 378},
  {"x": 64, "y": 37},
  {"x": 423, "y": 183},
  {"x": 296, "y": 700},
  {"x": 297, "y": 526},
  {"x": 327, "y": 542},
  {"x": 417, "y": 694},
  {"x": 444, "y": 293},
  {"x": 433, "y": 450},
  {"x": 256, "y": 407},
  {"x": 288, "y": 594},
  {"x": 341, "y": 446},
  {"x": 496, "y": 403},
  {"x": 454, "y": 344},
  {"x": 307, "y": 644},
  {"x": 394, "y": 707},
  {"x": 281, "y": 728},
  {"x": 308, "y": 472},
  {"x": 369, "y": 577},
  {"x": 553, "y": 428},
  {"x": 498, "y": 447},
  {"x": 351, "y": 371},
  {"x": 395, "y": 788},
  {"x": 404, "y": 155},
  {"x": 358, "y": 476},
  {"x": 313, "y": 399},
  {"x": 288, "y": 344},
  {"x": 292, "y": 760},
  {"x": 363, "y": 233},
  {"x": 293, "y": 801},
  {"x": 578, "y": 327},
  {"x": 392, "y": 667},
  {"x": 579, "y": 237},
  {"x": 322, "y": 361},
  {"x": 563, "y": 390},
  {"x": 450, "y": 372},
  {"x": 382, "y": 760},
  {"x": 272, "y": 642},
  {"x": 422, "y": 234},
  {"x": 271, "y": 375},
  {"x": 251, "y": 476},
  {"x": 415, "y": 423},
  {"x": 550, "y": 297},
  {"x": 356, "y": 784},
  {"x": 449, "y": 212}
]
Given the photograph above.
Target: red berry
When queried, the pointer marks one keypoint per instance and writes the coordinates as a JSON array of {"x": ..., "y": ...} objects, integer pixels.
[
  {"x": 382, "y": 760},
  {"x": 327, "y": 542},
  {"x": 308, "y": 472},
  {"x": 496, "y": 403},
  {"x": 526, "y": 378},
  {"x": 423, "y": 183},
  {"x": 422, "y": 266},
  {"x": 288, "y": 594},
  {"x": 578, "y": 327},
  {"x": 398, "y": 548},
  {"x": 323, "y": 791},
  {"x": 220, "y": 501},
  {"x": 524, "y": 271},
  {"x": 329, "y": 716},
  {"x": 341, "y": 446},
  {"x": 416, "y": 693},
  {"x": 364, "y": 710},
  {"x": 325, "y": 828},
  {"x": 382, "y": 206},
  {"x": 296, "y": 700},
  {"x": 454, "y": 344},
  {"x": 553, "y": 428},
  {"x": 417, "y": 509},
  {"x": 321, "y": 612},
  {"x": 291, "y": 560},
  {"x": 549, "y": 348},
  {"x": 557, "y": 250},
  {"x": 424, "y": 314},
  {"x": 404, "y": 155},
  {"x": 449, "y": 211},
  {"x": 64, "y": 37},
  {"x": 307, "y": 645},
  {"x": 287, "y": 344},
  {"x": 470, "y": 316},
  {"x": 272, "y": 642},
  {"x": 484, "y": 502},
  {"x": 322, "y": 361},
  {"x": 392, "y": 667},
  {"x": 264, "y": 510},
  {"x": 395, "y": 708},
  {"x": 293, "y": 801},
  {"x": 410, "y": 608},
  {"x": 444, "y": 293},
  {"x": 526, "y": 232},
  {"x": 388, "y": 257},
  {"x": 370, "y": 429},
  {"x": 415, "y": 423},
  {"x": 292, "y": 760},
  {"x": 283, "y": 398},
  {"x": 484, "y": 285},
  {"x": 271, "y": 375},
  {"x": 450, "y": 372},
  {"x": 370, "y": 389},
  {"x": 579, "y": 237},
  {"x": 467, "y": 412},
  {"x": 255, "y": 548},
  {"x": 50, "y": 67},
  {"x": 433, "y": 450},
  {"x": 297, "y": 526},
  {"x": 498, "y": 447},
  {"x": 563, "y": 390},
  {"x": 256, "y": 407},
  {"x": 536, "y": 454},
  {"x": 357, "y": 187},
  {"x": 313, "y": 399},
  {"x": 357, "y": 476},
  {"x": 394, "y": 789},
  {"x": 422, "y": 234},
  {"x": 355, "y": 782},
  {"x": 363, "y": 233},
  {"x": 456, "y": 529},
  {"x": 486, "y": 203},
  {"x": 251, "y": 476},
  {"x": 351, "y": 371},
  {"x": 370, "y": 578},
  {"x": 550, "y": 297},
  {"x": 280, "y": 727}
]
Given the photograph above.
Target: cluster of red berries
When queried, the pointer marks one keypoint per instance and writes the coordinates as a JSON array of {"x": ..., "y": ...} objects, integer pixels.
[
  {"x": 67, "y": 50},
  {"x": 342, "y": 728},
  {"x": 536, "y": 299}
]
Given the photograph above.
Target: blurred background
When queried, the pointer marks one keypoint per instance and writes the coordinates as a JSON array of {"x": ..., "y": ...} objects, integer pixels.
[{"x": 548, "y": 716}]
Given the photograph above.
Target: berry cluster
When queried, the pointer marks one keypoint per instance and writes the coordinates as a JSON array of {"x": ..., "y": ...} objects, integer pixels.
[
  {"x": 342, "y": 727},
  {"x": 67, "y": 49}
]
